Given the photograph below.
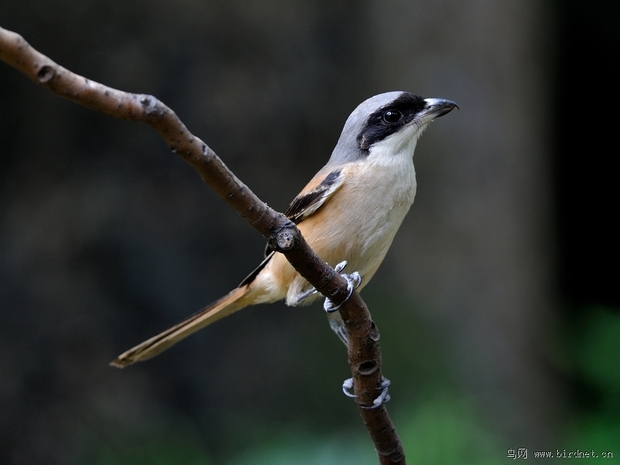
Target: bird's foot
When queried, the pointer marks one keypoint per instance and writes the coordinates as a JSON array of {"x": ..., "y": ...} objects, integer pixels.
[
  {"x": 353, "y": 281},
  {"x": 382, "y": 398},
  {"x": 304, "y": 295}
]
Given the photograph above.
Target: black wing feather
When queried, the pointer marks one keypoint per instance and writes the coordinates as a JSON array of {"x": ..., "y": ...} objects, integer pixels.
[
  {"x": 302, "y": 207},
  {"x": 308, "y": 203}
]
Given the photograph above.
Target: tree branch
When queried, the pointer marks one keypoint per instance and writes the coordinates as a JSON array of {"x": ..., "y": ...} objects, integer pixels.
[{"x": 363, "y": 349}]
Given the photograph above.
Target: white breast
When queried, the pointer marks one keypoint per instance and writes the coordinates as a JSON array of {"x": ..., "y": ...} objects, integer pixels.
[
  {"x": 360, "y": 221},
  {"x": 384, "y": 188},
  {"x": 357, "y": 223}
]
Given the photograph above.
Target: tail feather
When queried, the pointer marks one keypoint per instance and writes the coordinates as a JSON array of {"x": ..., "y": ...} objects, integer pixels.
[{"x": 228, "y": 304}]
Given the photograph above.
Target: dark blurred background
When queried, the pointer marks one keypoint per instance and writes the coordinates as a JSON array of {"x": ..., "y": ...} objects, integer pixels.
[{"x": 498, "y": 304}]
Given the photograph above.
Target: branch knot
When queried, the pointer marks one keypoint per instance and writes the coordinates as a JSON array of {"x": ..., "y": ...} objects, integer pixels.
[
  {"x": 285, "y": 238},
  {"x": 149, "y": 103},
  {"x": 45, "y": 74}
]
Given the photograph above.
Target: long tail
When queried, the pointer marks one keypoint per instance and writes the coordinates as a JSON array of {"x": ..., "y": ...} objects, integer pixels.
[{"x": 228, "y": 304}]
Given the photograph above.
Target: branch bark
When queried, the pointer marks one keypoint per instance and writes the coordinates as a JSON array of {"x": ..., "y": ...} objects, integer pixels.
[{"x": 364, "y": 353}]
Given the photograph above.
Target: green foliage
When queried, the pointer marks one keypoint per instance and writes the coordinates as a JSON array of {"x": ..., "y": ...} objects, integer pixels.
[
  {"x": 160, "y": 446},
  {"x": 440, "y": 431},
  {"x": 442, "y": 428},
  {"x": 310, "y": 449},
  {"x": 158, "y": 453},
  {"x": 446, "y": 430},
  {"x": 443, "y": 431},
  {"x": 596, "y": 352}
]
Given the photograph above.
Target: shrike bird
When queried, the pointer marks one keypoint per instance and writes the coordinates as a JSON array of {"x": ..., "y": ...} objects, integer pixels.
[{"x": 348, "y": 212}]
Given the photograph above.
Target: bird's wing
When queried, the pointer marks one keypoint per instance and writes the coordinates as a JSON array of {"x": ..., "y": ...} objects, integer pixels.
[
  {"x": 308, "y": 201},
  {"x": 314, "y": 195}
]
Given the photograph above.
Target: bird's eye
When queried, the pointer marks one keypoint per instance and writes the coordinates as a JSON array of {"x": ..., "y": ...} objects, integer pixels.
[{"x": 392, "y": 116}]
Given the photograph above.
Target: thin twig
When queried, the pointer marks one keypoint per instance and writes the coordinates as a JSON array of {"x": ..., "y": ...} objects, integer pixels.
[{"x": 363, "y": 350}]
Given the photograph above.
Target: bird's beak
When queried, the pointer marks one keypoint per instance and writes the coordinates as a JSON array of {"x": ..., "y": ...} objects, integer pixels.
[{"x": 436, "y": 107}]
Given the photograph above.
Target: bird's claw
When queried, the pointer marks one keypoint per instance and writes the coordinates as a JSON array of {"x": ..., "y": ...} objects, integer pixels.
[
  {"x": 383, "y": 397},
  {"x": 347, "y": 389},
  {"x": 347, "y": 386},
  {"x": 304, "y": 295},
  {"x": 353, "y": 281}
]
